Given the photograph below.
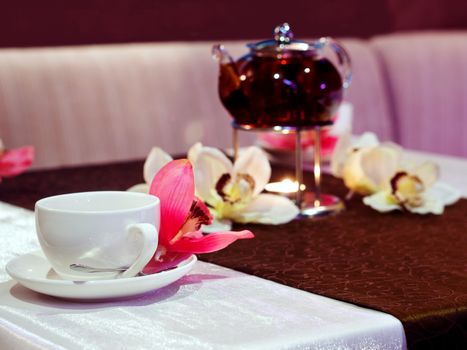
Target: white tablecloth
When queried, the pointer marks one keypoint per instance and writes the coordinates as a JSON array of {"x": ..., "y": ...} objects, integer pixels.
[{"x": 211, "y": 308}]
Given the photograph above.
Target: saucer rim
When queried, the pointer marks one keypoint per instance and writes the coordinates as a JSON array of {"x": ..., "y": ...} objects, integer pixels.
[{"x": 186, "y": 263}]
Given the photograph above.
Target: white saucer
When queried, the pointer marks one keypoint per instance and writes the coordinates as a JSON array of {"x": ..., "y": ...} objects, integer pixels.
[{"x": 33, "y": 271}]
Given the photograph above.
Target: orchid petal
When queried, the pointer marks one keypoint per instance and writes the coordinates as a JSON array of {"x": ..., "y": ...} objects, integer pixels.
[
  {"x": 367, "y": 139},
  {"x": 347, "y": 148},
  {"x": 156, "y": 159},
  {"x": 209, "y": 166},
  {"x": 194, "y": 151},
  {"x": 431, "y": 205},
  {"x": 199, "y": 215},
  {"x": 379, "y": 164},
  {"x": 254, "y": 162},
  {"x": 445, "y": 193},
  {"x": 168, "y": 261},
  {"x": 268, "y": 209},
  {"x": 381, "y": 201},
  {"x": 15, "y": 161},
  {"x": 141, "y": 188},
  {"x": 274, "y": 141},
  {"x": 328, "y": 143},
  {"x": 174, "y": 185},
  {"x": 407, "y": 189},
  {"x": 428, "y": 173},
  {"x": 354, "y": 177},
  {"x": 198, "y": 243},
  {"x": 217, "y": 225}
]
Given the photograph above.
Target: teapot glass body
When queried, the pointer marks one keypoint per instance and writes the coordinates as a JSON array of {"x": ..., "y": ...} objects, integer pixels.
[
  {"x": 295, "y": 91},
  {"x": 291, "y": 84}
]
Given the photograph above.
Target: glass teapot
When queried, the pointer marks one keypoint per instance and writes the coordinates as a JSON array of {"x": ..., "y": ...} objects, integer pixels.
[{"x": 283, "y": 82}]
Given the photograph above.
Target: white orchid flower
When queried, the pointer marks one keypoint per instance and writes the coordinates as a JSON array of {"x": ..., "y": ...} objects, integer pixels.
[
  {"x": 417, "y": 191},
  {"x": 364, "y": 164},
  {"x": 232, "y": 191},
  {"x": 156, "y": 159},
  {"x": 345, "y": 145},
  {"x": 376, "y": 170}
]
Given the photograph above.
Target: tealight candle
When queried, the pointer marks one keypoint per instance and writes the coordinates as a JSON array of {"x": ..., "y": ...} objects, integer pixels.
[{"x": 286, "y": 186}]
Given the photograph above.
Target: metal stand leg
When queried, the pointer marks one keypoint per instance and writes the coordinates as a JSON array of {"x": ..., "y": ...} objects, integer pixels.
[
  {"x": 318, "y": 204},
  {"x": 310, "y": 204},
  {"x": 317, "y": 166},
  {"x": 298, "y": 166}
]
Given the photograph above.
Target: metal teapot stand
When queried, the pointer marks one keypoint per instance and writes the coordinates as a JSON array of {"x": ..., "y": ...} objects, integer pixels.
[{"x": 311, "y": 204}]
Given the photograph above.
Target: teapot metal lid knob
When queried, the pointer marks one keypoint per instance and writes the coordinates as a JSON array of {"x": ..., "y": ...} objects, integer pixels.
[{"x": 283, "y": 34}]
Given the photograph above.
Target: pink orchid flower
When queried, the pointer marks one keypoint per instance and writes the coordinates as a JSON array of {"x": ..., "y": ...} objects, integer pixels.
[
  {"x": 182, "y": 215},
  {"x": 15, "y": 161},
  {"x": 286, "y": 142},
  {"x": 329, "y": 137}
]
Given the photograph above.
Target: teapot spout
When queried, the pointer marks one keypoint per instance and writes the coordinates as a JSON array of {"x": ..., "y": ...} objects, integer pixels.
[
  {"x": 220, "y": 54},
  {"x": 229, "y": 78}
]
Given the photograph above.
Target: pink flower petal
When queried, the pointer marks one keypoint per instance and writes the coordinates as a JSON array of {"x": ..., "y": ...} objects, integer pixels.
[
  {"x": 286, "y": 142},
  {"x": 16, "y": 161},
  {"x": 279, "y": 141},
  {"x": 169, "y": 260},
  {"x": 197, "y": 244},
  {"x": 199, "y": 215},
  {"x": 174, "y": 185},
  {"x": 328, "y": 143},
  {"x": 203, "y": 207}
]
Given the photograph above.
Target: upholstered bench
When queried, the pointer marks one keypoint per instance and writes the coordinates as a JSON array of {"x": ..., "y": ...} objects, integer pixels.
[{"x": 104, "y": 103}]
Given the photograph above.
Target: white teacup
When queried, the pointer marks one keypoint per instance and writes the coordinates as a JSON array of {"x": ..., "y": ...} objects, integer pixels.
[{"x": 103, "y": 230}]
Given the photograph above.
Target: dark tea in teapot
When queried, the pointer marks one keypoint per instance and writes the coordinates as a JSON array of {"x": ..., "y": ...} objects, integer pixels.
[
  {"x": 297, "y": 91},
  {"x": 283, "y": 82}
]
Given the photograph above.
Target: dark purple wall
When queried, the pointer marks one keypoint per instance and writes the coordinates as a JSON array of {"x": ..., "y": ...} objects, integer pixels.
[{"x": 72, "y": 22}]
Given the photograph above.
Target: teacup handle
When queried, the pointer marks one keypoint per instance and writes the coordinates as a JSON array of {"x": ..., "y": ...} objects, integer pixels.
[{"x": 150, "y": 240}]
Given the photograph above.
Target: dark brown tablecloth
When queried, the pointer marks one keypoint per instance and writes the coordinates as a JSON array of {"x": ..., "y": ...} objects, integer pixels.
[{"x": 413, "y": 267}]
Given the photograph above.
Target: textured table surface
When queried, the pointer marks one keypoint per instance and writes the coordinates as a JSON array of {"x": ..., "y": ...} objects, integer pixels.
[{"x": 413, "y": 267}]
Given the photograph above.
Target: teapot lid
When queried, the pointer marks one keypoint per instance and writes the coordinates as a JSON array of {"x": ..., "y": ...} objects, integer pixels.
[{"x": 283, "y": 43}]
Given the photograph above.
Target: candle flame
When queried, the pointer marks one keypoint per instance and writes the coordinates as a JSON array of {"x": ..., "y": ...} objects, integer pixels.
[{"x": 285, "y": 186}]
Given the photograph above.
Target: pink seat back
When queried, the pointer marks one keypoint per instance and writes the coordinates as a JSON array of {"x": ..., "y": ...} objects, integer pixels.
[
  {"x": 427, "y": 80},
  {"x": 107, "y": 103},
  {"x": 368, "y": 92}
]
